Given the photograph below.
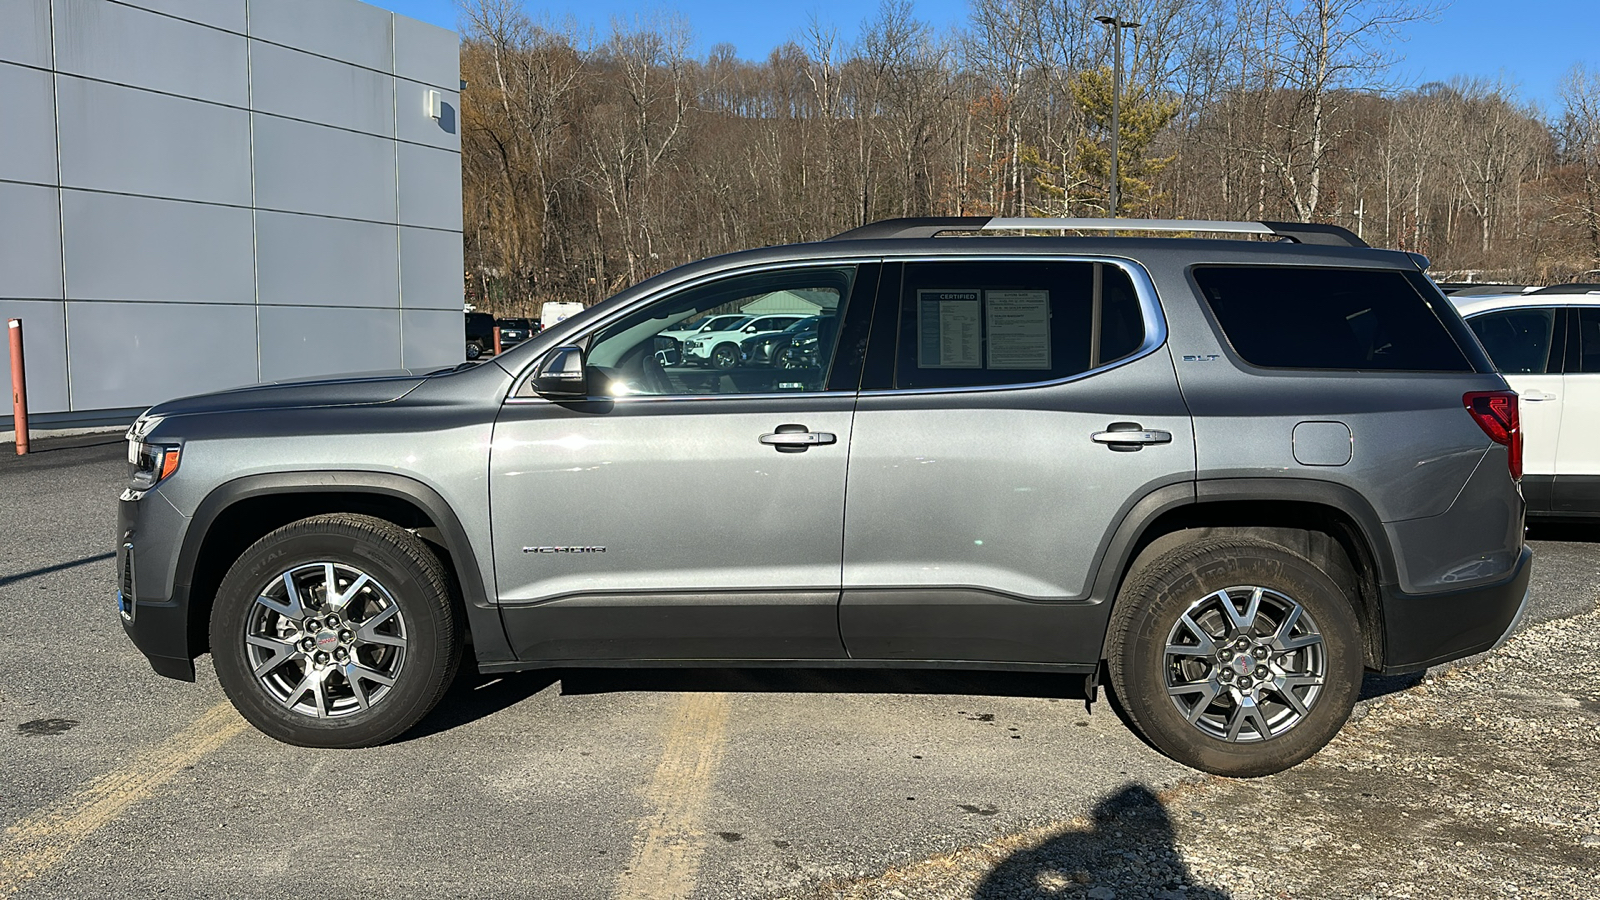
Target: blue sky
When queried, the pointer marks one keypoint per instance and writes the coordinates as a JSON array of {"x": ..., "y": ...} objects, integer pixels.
[{"x": 1532, "y": 50}]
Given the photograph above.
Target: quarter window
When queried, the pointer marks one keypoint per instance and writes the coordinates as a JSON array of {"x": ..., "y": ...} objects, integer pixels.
[
  {"x": 1518, "y": 340},
  {"x": 978, "y": 324},
  {"x": 1290, "y": 317},
  {"x": 715, "y": 339}
]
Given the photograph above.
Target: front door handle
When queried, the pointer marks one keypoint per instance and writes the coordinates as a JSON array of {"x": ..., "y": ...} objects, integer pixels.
[
  {"x": 1130, "y": 436},
  {"x": 1536, "y": 395},
  {"x": 796, "y": 438}
]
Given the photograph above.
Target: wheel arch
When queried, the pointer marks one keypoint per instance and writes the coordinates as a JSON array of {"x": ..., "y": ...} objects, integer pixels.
[
  {"x": 1330, "y": 524},
  {"x": 239, "y": 512}
]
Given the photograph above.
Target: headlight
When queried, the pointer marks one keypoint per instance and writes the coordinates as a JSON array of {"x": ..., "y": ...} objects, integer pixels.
[{"x": 150, "y": 462}]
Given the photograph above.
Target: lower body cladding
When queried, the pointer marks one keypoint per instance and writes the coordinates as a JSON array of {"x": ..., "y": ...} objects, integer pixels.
[{"x": 813, "y": 628}]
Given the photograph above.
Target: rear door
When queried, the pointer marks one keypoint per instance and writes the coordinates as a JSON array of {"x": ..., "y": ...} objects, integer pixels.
[
  {"x": 1526, "y": 345},
  {"x": 985, "y": 467}
]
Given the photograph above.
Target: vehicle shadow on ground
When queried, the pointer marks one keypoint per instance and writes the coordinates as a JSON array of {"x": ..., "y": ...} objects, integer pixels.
[
  {"x": 1128, "y": 850},
  {"x": 473, "y": 696}
]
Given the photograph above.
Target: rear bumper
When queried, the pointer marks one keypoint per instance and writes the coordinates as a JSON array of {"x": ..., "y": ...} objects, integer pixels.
[{"x": 1422, "y": 630}]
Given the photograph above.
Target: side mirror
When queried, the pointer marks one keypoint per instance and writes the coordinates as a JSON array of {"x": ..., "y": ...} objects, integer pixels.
[{"x": 561, "y": 375}]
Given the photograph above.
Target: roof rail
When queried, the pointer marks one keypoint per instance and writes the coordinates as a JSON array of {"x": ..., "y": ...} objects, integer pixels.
[{"x": 931, "y": 226}]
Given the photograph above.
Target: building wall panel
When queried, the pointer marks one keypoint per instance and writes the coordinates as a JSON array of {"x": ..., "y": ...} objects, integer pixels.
[
  {"x": 225, "y": 14},
  {"x": 310, "y": 260},
  {"x": 44, "y": 351},
  {"x": 25, "y": 32},
  {"x": 130, "y": 141},
  {"x": 138, "y": 48},
  {"x": 430, "y": 187},
  {"x": 28, "y": 132},
  {"x": 137, "y": 354},
  {"x": 30, "y": 242},
  {"x": 308, "y": 168},
  {"x": 302, "y": 86},
  {"x": 431, "y": 269},
  {"x": 415, "y": 124},
  {"x": 342, "y": 29},
  {"x": 431, "y": 338},
  {"x": 137, "y": 248},
  {"x": 304, "y": 342},
  {"x": 426, "y": 53}
]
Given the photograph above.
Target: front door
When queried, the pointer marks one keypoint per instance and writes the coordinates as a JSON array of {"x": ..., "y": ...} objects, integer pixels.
[
  {"x": 1024, "y": 404},
  {"x": 682, "y": 512}
]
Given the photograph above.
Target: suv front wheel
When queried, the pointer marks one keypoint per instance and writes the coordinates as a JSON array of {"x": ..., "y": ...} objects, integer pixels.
[
  {"x": 1236, "y": 657},
  {"x": 336, "y": 631}
]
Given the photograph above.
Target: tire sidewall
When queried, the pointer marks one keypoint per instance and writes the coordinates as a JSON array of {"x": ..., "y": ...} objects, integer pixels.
[
  {"x": 1171, "y": 592},
  {"x": 407, "y": 583}
]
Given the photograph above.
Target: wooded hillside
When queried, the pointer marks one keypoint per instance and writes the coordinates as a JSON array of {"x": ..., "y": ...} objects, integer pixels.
[{"x": 590, "y": 164}]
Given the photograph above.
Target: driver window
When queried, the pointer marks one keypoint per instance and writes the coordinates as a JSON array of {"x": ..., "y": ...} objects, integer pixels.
[{"x": 761, "y": 333}]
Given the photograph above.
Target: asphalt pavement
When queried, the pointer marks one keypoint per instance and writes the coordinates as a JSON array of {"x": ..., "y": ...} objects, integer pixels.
[{"x": 634, "y": 783}]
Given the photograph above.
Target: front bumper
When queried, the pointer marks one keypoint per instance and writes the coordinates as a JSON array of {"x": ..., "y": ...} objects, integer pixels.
[
  {"x": 1423, "y": 630},
  {"x": 153, "y": 611}
]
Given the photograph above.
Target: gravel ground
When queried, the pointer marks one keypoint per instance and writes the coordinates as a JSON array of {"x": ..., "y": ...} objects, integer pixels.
[{"x": 1477, "y": 782}]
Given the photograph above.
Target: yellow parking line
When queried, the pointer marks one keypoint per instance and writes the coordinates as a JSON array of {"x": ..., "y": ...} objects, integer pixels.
[
  {"x": 43, "y": 839},
  {"x": 666, "y": 852}
]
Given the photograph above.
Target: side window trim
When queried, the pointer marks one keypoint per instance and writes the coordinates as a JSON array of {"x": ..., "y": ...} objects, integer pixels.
[
  {"x": 866, "y": 267},
  {"x": 878, "y": 379}
]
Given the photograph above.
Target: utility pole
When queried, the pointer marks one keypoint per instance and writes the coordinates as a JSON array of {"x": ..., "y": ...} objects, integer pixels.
[{"x": 1116, "y": 25}]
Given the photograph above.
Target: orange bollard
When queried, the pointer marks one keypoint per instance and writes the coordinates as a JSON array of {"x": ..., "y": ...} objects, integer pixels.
[
  {"x": 19, "y": 387},
  {"x": 497, "y": 340}
]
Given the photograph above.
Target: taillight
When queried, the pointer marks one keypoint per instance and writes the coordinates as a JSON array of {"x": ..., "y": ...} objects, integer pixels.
[{"x": 1496, "y": 413}]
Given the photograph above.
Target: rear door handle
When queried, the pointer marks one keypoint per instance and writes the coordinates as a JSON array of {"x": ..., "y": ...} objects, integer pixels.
[
  {"x": 796, "y": 438},
  {"x": 1130, "y": 433}
]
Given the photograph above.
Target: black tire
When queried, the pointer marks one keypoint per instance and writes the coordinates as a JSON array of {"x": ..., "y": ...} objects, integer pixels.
[
  {"x": 1149, "y": 610},
  {"x": 724, "y": 357},
  {"x": 473, "y": 351},
  {"x": 402, "y": 572}
]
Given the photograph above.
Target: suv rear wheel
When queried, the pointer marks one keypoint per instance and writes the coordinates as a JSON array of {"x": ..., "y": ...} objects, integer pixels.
[
  {"x": 1236, "y": 657},
  {"x": 336, "y": 631}
]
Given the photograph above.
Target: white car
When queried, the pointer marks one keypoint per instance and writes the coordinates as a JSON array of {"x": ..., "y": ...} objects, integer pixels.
[
  {"x": 720, "y": 349},
  {"x": 727, "y": 322},
  {"x": 1547, "y": 345}
]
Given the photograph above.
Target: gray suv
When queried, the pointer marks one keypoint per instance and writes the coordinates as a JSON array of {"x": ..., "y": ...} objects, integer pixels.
[{"x": 1223, "y": 476}]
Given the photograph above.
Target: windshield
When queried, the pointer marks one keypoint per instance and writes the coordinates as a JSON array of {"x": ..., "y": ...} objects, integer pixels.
[{"x": 723, "y": 323}]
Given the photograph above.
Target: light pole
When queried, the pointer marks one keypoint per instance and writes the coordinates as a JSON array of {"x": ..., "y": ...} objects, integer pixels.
[{"x": 1116, "y": 25}]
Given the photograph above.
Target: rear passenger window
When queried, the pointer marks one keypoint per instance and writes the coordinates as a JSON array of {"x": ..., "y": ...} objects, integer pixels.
[
  {"x": 1304, "y": 318},
  {"x": 1518, "y": 340},
  {"x": 976, "y": 324}
]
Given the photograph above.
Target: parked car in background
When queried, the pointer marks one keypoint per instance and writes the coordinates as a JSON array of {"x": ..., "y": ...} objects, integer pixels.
[
  {"x": 1547, "y": 345},
  {"x": 514, "y": 332},
  {"x": 669, "y": 343},
  {"x": 766, "y": 349},
  {"x": 552, "y": 312},
  {"x": 720, "y": 349},
  {"x": 480, "y": 334}
]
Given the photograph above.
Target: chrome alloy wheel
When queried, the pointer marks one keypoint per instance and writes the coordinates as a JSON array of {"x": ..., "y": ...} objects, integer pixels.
[
  {"x": 325, "y": 640},
  {"x": 1245, "y": 664}
]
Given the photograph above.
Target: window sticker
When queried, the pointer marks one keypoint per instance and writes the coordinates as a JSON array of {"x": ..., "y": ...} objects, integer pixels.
[
  {"x": 949, "y": 329},
  {"x": 1018, "y": 323}
]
